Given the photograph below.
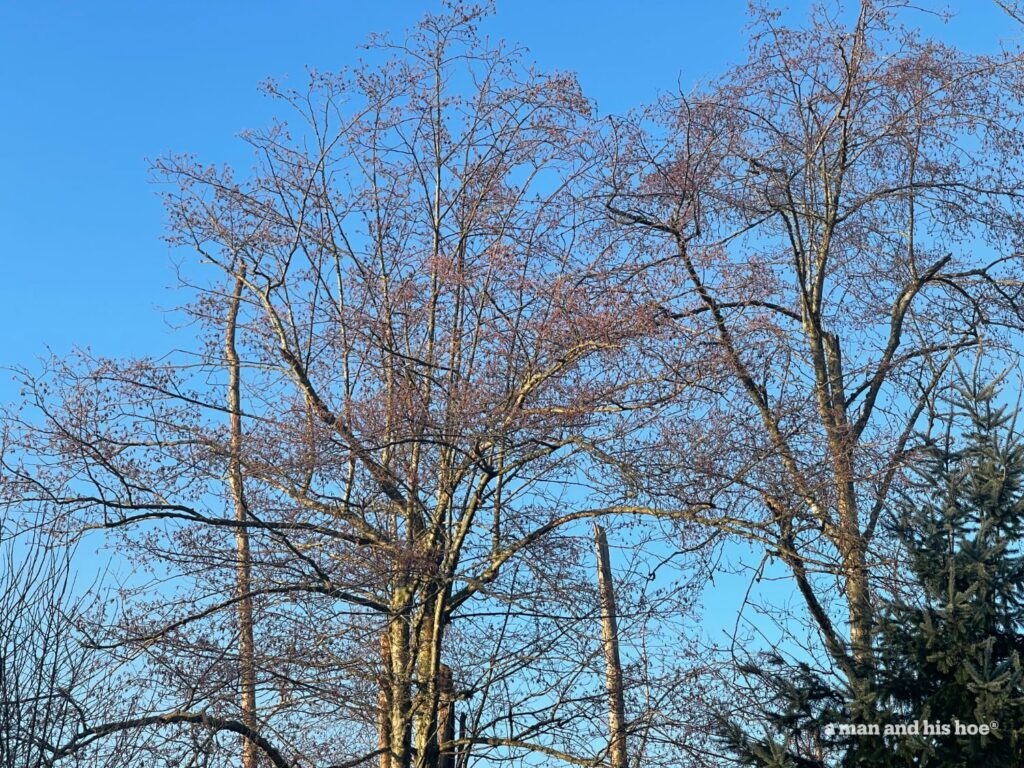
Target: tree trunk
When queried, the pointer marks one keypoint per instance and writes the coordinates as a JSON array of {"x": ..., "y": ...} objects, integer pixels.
[
  {"x": 858, "y": 598},
  {"x": 430, "y": 725},
  {"x": 446, "y": 719},
  {"x": 462, "y": 756},
  {"x": 401, "y": 690},
  {"x": 853, "y": 550},
  {"x": 613, "y": 664},
  {"x": 385, "y": 702},
  {"x": 243, "y": 569}
]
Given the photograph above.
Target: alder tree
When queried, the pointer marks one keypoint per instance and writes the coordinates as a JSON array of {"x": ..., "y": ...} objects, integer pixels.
[
  {"x": 835, "y": 222},
  {"x": 354, "y": 500}
]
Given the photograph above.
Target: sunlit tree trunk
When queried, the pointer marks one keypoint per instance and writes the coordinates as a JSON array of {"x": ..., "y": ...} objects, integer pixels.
[
  {"x": 385, "y": 702},
  {"x": 246, "y": 647},
  {"x": 613, "y": 663}
]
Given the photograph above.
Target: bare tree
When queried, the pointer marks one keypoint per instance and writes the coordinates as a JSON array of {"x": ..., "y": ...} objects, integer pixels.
[
  {"x": 48, "y": 685},
  {"x": 447, "y": 322},
  {"x": 362, "y": 499},
  {"x": 36, "y": 654},
  {"x": 835, "y": 221}
]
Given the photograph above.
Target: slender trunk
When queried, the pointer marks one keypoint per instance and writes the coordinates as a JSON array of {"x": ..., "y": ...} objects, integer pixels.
[
  {"x": 462, "y": 756},
  {"x": 446, "y": 719},
  {"x": 401, "y": 689},
  {"x": 613, "y": 664},
  {"x": 853, "y": 550},
  {"x": 385, "y": 702},
  {"x": 852, "y": 545},
  {"x": 429, "y": 698},
  {"x": 858, "y": 599},
  {"x": 246, "y": 646}
]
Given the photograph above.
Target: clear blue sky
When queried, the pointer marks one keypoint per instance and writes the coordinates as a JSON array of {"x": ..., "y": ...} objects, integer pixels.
[{"x": 91, "y": 89}]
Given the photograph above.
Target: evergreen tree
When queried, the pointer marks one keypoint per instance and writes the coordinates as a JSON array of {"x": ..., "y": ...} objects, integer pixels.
[
  {"x": 948, "y": 645},
  {"x": 951, "y": 650},
  {"x": 790, "y": 728}
]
